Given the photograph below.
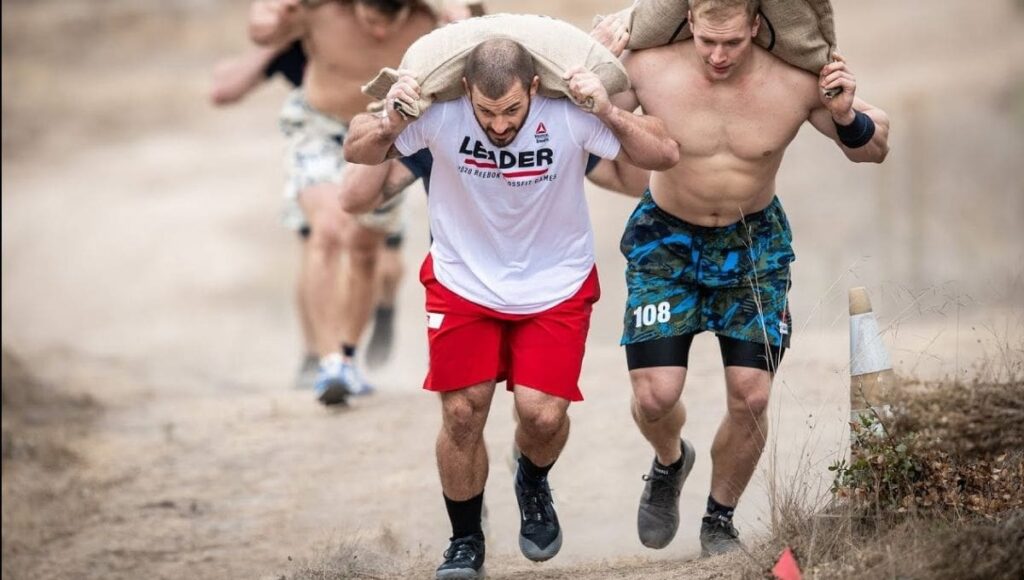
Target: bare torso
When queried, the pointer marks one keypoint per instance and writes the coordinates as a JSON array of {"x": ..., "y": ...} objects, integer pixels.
[
  {"x": 732, "y": 134},
  {"x": 343, "y": 56}
]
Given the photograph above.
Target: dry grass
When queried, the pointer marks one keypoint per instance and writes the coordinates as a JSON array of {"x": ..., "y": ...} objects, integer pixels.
[{"x": 939, "y": 495}]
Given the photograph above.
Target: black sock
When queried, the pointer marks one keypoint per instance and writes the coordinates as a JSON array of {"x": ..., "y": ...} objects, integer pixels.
[
  {"x": 385, "y": 311},
  {"x": 465, "y": 515},
  {"x": 675, "y": 467},
  {"x": 349, "y": 350},
  {"x": 532, "y": 471},
  {"x": 719, "y": 511}
]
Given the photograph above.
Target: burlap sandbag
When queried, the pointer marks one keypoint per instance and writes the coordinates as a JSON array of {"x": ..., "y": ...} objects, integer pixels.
[
  {"x": 800, "y": 32},
  {"x": 438, "y": 59}
]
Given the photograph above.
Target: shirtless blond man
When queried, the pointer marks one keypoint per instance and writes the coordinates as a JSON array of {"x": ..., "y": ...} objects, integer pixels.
[
  {"x": 346, "y": 42},
  {"x": 709, "y": 247}
]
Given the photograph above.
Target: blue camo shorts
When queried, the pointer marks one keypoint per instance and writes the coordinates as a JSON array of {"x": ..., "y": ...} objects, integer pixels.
[{"x": 684, "y": 279}]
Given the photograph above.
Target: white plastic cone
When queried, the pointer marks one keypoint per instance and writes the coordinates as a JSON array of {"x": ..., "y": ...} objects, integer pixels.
[{"x": 871, "y": 376}]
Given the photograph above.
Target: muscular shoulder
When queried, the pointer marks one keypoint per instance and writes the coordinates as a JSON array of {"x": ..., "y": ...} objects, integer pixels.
[
  {"x": 648, "y": 65},
  {"x": 790, "y": 80}
]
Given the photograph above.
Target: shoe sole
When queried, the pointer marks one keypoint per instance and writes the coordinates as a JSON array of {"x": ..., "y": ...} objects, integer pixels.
[
  {"x": 690, "y": 457},
  {"x": 464, "y": 574},
  {"x": 334, "y": 394},
  {"x": 535, "y": 554}
]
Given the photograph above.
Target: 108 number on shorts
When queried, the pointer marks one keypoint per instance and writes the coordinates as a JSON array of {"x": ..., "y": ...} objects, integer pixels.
[{"x": 650, "y": 314}]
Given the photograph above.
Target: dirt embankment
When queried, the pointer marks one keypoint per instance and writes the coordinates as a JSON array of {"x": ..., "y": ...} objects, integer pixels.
[{"x": 45, "y": 496}]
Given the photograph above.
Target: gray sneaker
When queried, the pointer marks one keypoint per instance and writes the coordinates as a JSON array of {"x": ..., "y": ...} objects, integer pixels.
[
  {"x": 658, "y": 517},
  {"x": 718, "y": 536}
]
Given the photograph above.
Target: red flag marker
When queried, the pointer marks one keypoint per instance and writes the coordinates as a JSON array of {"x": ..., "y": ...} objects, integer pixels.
[{"x": 786, "y": 568}]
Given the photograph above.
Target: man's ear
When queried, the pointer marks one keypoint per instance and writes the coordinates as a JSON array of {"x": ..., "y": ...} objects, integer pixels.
[
  {"x": 534, "y": 85},
  {"x": 689, "y": 21},
  {"x": 756, "y": 27},
  {"x": 465, "y": 85}
]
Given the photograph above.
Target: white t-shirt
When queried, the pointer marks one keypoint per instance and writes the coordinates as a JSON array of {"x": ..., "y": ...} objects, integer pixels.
[{"x": 510, "y": 224}]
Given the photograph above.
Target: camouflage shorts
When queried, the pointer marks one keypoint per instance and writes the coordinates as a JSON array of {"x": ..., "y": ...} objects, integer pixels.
[
  {"x": 684, "y": 279},
  {"x": 315, "y": 155}
]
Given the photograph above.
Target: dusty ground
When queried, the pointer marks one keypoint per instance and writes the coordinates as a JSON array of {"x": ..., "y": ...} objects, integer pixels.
[{"x": 147, "y": 287}]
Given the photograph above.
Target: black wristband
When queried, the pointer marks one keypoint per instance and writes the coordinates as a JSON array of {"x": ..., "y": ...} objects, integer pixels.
[{"x": 858, "y": 133}]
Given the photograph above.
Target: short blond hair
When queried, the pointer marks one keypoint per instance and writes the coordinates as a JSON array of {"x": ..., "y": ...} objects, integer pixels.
[{"x": 718, "y": 9}]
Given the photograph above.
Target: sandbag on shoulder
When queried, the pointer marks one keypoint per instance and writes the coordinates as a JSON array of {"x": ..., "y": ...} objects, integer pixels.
[
  {"x": 438, "y": 59},
  {"x": 800, "y": 32}
]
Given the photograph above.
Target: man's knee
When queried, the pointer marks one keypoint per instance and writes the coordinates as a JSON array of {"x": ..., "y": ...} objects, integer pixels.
[
  {"x": 749, "y": 391},
  {"x": 543, "y": 422},
  {"x": 656, "y": 393},
  {"x": 363, "y": 258},
  {"x": 326, "y": 220},
  {"x": 463, "y": 419},
  {"x": 325, "y": 236}
]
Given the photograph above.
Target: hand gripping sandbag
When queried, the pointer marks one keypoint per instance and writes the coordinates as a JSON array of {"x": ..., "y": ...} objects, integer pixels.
[
  {"x": 800, "y": 32},
  {"x": 438, "y": 59}
]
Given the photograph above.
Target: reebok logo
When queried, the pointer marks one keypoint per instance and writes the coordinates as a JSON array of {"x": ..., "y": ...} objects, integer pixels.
[{"x": 541, "y": 134}]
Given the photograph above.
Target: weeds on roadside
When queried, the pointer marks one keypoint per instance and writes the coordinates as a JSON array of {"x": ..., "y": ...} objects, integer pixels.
[
  {"x": 936, "y": 490},
  {"x": 958, "y": 448}
]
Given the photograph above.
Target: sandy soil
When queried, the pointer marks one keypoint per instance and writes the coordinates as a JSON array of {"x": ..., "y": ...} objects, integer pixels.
[{"x": 148, "y": 290}]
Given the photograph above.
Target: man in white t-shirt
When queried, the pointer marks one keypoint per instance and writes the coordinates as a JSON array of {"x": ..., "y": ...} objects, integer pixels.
[{"x": 510, "y": 278}]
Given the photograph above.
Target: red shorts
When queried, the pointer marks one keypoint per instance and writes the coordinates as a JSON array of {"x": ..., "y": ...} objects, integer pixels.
[{"x": 471, "y": 344}]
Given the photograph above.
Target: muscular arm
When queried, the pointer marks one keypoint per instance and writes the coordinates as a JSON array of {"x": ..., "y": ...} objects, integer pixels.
[
  {"x": 632, "y": 174},
  {"x": 872, "y": 152},
  {"x": 361, "y": 186},
  {"x": 843, "y": 108},
  {"x": 371, "y": 139},
  {"x": 620, "y": 177},
  {"x": 644, "y": 139},
  {"x": 364, "y": 187}
]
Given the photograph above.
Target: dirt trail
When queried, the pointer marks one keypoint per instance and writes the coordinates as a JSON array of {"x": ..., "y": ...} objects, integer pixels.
[{"x": 143, "y": 267}]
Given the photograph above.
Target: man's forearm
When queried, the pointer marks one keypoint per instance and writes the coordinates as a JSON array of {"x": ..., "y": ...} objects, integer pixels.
[
  {"x": 369, "y": 139},
  {"x": 875, "y": 150},
  {"x": 644, "y": 139}
]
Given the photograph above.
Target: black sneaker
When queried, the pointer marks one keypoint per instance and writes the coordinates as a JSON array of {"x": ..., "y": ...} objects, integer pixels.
[
  {"x": 658, "y": 517},
  {"x": 718, "y": 536},
  {"x": 463, "y": 560},
  {"x": 540, "y": 536}
]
